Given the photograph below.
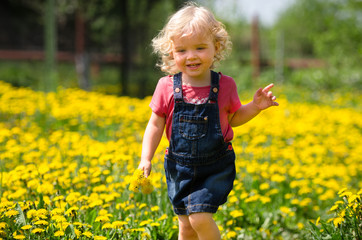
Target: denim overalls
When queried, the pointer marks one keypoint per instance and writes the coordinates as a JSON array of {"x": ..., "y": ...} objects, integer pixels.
[{"x": 199, "y": 164}]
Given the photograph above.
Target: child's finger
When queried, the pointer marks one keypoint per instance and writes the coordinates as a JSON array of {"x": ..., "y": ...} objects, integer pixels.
[
  {"x": 259, "y": 91},
  {"x": 267, "y": 88}
]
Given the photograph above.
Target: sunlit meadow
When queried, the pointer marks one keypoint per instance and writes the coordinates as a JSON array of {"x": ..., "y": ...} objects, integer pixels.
[{"x": 68, "y": 159}]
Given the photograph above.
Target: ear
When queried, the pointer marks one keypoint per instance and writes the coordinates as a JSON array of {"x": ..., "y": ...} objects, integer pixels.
[
  {"x": 171, "y": 51},
  {"x": 217, "y": 46}
]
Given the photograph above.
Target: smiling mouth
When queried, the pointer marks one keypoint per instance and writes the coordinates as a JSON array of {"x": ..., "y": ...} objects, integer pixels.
[{"x": 193, "y": 65}]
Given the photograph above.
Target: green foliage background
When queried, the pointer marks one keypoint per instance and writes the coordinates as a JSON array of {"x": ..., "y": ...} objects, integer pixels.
[{"x": 327, "y": 30}]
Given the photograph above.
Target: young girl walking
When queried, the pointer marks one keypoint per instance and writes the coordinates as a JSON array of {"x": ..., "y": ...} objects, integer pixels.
[{"x": 198, "y": 107}]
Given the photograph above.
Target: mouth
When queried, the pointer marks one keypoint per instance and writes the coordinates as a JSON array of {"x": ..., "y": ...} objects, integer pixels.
[{"x": 194, "y": 65}]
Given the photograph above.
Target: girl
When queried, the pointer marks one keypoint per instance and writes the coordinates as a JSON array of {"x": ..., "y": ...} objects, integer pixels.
[{"x": 198, "y": 107}]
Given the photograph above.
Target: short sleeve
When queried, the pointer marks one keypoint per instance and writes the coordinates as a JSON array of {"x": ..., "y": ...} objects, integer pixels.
[
  {"x": 161, "y": 97},
  {"x": 233, "y": 102}
]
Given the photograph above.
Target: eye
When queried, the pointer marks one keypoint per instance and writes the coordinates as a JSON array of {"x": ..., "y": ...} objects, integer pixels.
[{"x": 180, "y": 50}]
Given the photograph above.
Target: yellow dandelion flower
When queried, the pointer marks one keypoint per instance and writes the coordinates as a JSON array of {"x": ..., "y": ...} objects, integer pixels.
[
  {"x": 42, "y": 213},
  {"x": 87, "y": 234},
  {"x": 102, "y": 219},
  {"x": 104, "y": 212},
  {"x": 59, "y": 233},
  {"x": 59, "y": 219},
  {"x": 133, "y": 187},
  {"x": 230, "y": 222},
  {"x": 145, "y": 222},
  {"x": 142, "y": 205},
  {"x": 118, "y": 224},
  {"x": 26, "y": 227},
  {"x": 56, "y": 211},
  {"x": 237, "y": 213},
  {"x": 31, "y": 213},
  {"x": 163, "y": 217},
  {"x": 72, "y": 211},
  {"x": 99, "y": 238},
  {"x": 20, "y": 236},
  {"x": 155, "y": 208},
  {"x": 57, "y": 198},
  {"x": 300, "y": 225},
  {"x": 11, "y": 213},
  {"x": 352, "y": 198},
  {"x": 231, "y": 234},
  {"x": 3, "y": 225},
  {"x": 77, "y": 224},
  {"x": 264, "y": 186},
  {"x": 337, "y": 221},
  {"x": 333, "y": 208},
  {"x": 139, "y": 229},
  {"x": 107, "y": 226},
  {"x": 144, "y": 182},
  {"x": 37, "y": 230},
  {"x": 342, "y": 190},
  {"x": 233, "y": 199},
  {"x": 145, "y": 235},
  {"x": 147, "y": 189},
  {"x": 41, "y": 222},
  {"x": 265, "y": 199},
  {"x": 347, "y": 194},
  {"x": 138, "y": 173},
  {"x": 285, "y": 210}
]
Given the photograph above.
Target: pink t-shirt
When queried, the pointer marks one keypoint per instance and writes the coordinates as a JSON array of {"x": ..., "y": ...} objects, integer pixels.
[{"x": 162, "y": 102}]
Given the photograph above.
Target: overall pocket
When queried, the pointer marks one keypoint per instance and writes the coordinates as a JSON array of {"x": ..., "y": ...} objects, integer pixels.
[{"x": 193, "y": 127}]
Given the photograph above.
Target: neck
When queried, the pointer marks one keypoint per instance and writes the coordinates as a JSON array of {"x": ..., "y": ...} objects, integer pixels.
[{"x": 200, "y": 81}]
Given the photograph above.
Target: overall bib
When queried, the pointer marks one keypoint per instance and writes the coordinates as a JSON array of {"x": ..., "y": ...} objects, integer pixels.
[{"x": 199, "y": 164}]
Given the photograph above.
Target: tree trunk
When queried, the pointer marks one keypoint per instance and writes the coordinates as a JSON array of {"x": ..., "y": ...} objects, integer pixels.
[
  {"x": 49, "y": 83},
  {"x": 82, "y": 60},
  {"x": 255, "y": 48},
  {"x": 126, "y": 53}
]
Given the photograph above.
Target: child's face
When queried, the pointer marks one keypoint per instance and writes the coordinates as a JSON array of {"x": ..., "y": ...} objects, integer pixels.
[{"x": 194, "y": 55}]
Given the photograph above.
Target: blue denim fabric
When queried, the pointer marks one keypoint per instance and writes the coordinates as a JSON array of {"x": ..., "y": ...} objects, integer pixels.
[{"x": 199, "y": 165}]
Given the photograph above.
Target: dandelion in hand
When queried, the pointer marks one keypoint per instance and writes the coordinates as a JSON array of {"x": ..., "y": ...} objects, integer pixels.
[{"x": 139, "y": 181}]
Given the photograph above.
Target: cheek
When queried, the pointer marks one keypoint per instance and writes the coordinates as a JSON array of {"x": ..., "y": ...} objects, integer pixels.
[{"x": 178, "y": 58}]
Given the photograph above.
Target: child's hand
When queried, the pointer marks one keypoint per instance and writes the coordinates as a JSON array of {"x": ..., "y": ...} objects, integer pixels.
[
  {"x": 263, "y": 98},
  {"x": 146, "y": 167}
]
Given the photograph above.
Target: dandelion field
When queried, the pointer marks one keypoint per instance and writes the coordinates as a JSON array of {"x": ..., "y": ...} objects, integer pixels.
[{"x": 67, "y": 160}]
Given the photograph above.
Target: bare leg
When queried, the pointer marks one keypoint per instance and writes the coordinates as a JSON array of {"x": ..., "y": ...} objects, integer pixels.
[
  {"x": 205, "y": 226},
  {"x": 186, "y": 232}
]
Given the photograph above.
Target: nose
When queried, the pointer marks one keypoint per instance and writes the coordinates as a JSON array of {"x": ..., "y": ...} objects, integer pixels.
[{"x": 191, "y": 55}]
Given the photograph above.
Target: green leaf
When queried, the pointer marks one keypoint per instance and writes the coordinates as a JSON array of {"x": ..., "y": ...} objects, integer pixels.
[
  {"x": 70, "y": 231},
  {"x": 41, "y": 201},
  {"x": 20, "y": 218}
]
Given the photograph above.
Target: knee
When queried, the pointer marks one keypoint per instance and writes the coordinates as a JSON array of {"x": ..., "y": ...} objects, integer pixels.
[
  {"x": 185, "y": 230},
  {"x": 200, "y": 221}
]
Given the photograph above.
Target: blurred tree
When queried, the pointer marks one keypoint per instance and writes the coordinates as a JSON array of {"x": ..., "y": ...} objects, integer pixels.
[
  {"x": 19, "y": 35},
  {"x": 330, "y": 29},
  {"x": 50, "y": 39},
  {"x": 124, "y": 28}
]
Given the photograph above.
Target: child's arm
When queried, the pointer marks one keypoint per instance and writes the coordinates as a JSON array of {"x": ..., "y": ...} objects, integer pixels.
[
  {"x": 151, "y": 139},
  {"x": 263, "y": 99}
]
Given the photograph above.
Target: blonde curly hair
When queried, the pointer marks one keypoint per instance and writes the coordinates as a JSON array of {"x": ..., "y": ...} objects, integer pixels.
[{"x": 188, "y": 21}]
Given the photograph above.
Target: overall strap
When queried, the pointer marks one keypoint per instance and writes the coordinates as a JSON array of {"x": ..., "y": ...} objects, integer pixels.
[
  {"x": 214, "y": 89},
  {"x": 177, "y": 87}
]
